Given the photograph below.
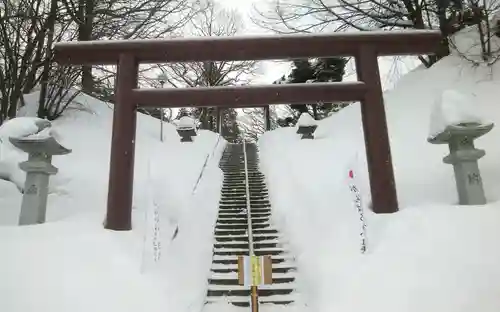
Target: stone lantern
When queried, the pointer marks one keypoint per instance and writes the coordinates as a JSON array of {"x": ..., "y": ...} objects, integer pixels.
[
  {"x": 306, "y": 126},
  {"x": 464, "y": 158},
  {"x": 38, "y": 169},
  {"x": 186, "y": 129}
]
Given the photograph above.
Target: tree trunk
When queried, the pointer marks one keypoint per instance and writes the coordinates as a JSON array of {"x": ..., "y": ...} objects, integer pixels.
[
  {"x": 42, "y": 110},
  {"x": 86, "y": 13}
]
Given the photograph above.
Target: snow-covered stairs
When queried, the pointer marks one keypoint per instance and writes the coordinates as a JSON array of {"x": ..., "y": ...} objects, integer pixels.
[{"x": 231, "y": 237}]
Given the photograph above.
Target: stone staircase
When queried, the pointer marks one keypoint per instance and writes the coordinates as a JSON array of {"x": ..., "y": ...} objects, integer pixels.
[{"x": 231, "y": 235}]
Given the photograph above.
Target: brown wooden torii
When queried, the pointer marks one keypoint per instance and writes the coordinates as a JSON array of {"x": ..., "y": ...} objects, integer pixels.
[{"x": 364, "y": 46}]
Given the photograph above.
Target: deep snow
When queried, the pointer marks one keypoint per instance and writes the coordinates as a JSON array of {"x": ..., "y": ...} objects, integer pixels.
[
  {"x": 430, "y": 256},
  {"x": 71, "y": 263}
]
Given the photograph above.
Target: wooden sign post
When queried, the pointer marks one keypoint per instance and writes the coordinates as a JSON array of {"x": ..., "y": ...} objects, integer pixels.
[{"x": 254, "y": 271}]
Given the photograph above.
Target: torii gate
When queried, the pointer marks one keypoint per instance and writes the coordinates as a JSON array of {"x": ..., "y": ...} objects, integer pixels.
[{"x": 364, "y": 46}]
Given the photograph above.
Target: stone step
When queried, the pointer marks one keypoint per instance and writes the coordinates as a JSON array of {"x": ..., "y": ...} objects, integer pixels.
[
  {"x": 241, "y": 179},
  {"x": 245, "y": 302},
  {"x": 241, "y": 220},
  {"x": 243, "y": 192},
  {"x": 231, "y": 253},
  {"x": 233, "y": 227},
  {"x": 284, "y": 256},
  {"x": 257, "y": 226},
  {"x": 234, "y": 269},
  {"x": 239, "y": 169},
  {"x": 242, "y": 182},
  {"x": 239, "y": 290},
  {"x": 233, "y": 275},
  {"x": 233, "y": 232},
  {"x": 234, "y": 259},
  {"x": 269, "y": 245},
  {"x": 273, "y": 251},
  {"x": 260, "y": 190},
  {"x": 244, "y": 197},
  {"x": 244, "y": 237},
  {"x": 278, "y": 265},
  {"x": 243, "y": 206},
  {"x": 258, "y": 243},
  {"x": 257, "y": 175},
  {"x": 229, "y": 202},
  {"x": 232, "y": 245},
  {"x": 238, "y": 200},
  {"x": 233, "y": 212},
  {"x": 242, "y": 186},
  {"x": 242, "y": 211},
  {"x": 265, "y": 231},
  {"x": 232, "y": 222},
  {"x": 254, "y": 218},
  {"x": 243, "y": 214},
  {"x": 233, "y": 280},
  {"x": 241, "y": 175},
  {"x": 237, "y": 180},
  {"x": 230, "y": 232}
]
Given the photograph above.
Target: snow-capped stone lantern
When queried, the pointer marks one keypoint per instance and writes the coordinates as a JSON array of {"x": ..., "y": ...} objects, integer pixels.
[
  {"x": 38, "y": 169},
  {"x": 461, "y": 127},
  {"x": 186, "y": 129},
  {"x": 306, "y": 126}
]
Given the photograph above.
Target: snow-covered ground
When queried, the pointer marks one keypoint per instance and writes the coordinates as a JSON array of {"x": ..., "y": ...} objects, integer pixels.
[
  {"x": 71, "y": 263},
  {"x": 432, "y": 255}
]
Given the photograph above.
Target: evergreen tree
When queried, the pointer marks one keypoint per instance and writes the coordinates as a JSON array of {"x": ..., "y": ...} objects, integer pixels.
[
  {"x": 316, "y": 70},
  {"x": 229, "y": 128},
  {"x": 183, "y": 111},
  {"x": 207, "y": 117}
]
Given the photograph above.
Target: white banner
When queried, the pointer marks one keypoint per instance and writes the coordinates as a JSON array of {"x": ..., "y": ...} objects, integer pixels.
[
  {"x": 152, "y": 240},
  {"x": 353, "y": 186}
]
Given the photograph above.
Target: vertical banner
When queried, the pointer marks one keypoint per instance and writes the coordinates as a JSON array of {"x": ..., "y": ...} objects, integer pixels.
[
  {"x": 353, "y": 186},
  {"x": 151, "y": 253}
]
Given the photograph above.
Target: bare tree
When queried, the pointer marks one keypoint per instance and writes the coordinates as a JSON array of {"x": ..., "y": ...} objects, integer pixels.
[
  {"x": 25, "y": 27},
  {"x": 253, "y": 122},
  {"x": 211, "y": 20},
  {"x": 292, "y": 16},
  {"x": 124, "y": 19},
  {"x": 482, "y": 47}
]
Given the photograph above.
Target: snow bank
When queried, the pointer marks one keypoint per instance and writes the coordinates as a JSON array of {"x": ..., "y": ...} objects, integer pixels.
[
  {"x": 430, "y": 256},
  {"x": 306, "y": 120},
  {"x": 71, "y": 263},
  {"x": 11, "y": 156},
  {"x": 186, "y": 122}
]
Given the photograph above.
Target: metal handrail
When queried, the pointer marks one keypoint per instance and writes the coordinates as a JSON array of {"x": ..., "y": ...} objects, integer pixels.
[
  {"x": 249, "y": 214},
  {"x": 204, "y": 165}
]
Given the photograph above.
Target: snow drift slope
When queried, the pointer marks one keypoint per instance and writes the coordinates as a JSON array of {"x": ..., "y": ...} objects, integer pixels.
[
  {"x": 430, "y": 256},
  {"x": 71, "y": 263}
]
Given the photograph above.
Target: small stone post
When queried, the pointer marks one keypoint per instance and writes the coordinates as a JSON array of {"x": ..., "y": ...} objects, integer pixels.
[
  {"x": 307, "y": 131},
  {"x": 186, "y": 134},
  {"x": 38, "y": 169},
  {"x": 186, "y": 129},
  {"x": 464, "y": 156},
  {"x": 306, "y": 126}
]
